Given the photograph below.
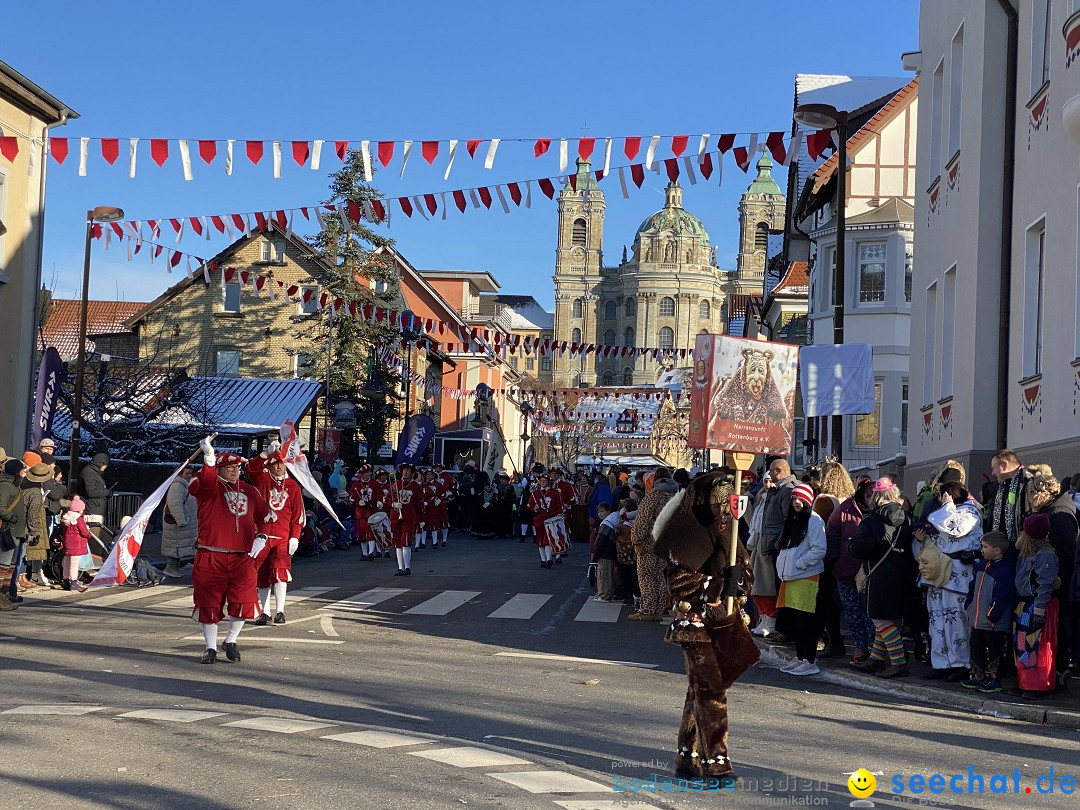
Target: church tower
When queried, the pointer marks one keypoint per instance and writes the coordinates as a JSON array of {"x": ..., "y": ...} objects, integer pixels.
[
  {"x": 579, "y": 259},
  {"x": 761, "y": 209}
]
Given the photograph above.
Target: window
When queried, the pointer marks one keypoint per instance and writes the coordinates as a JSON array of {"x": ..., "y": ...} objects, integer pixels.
[
  {"x": 868, "y": 426},
  {"x": 607, "y": 378},
  {"x": 380, "y": 287},
  {"x": 704, "y": 309},
  {"x": 611, "y": 311},
  {"x": 935, "y": 123},
  {"x": 309, "y": 304},
  {"x": 575, "y": 336},
  {"x": 514, "y": 363},
  {"x": 667, "y": 306},
  {"x": 666, "y": 338},
  {"x": 872, "y": 273},
  {"x": 227, "y": 363},
  {"x": 628, "y": 376},
  {"x": 828, "y": 285},
  {"x": 930, "y": 352},
  {"x": 631, "y": 306},
  {"x": 948, "y": 330},
  {"x": 628, "y": 336},
  {"x": 232, "y": 297},
  {"x": 903, "y": 412},
  {"x": 272, "y": 251},
  {"x": 1033, "y": 299},
  {"x": 303, "y": 365},
  {"x": 909, "y": 258},
  {"x": 956, "y": 91},
  {"x": 1040, "y": 44},
  {"x": 609, "y": 338},
  {"x": 545, "y": 363},
  {"x": 530, "y": 363},
  {"x": 579, "y": 307},
  {"x": 761, "y": 237},
  {"x": 577, "y": 235}
]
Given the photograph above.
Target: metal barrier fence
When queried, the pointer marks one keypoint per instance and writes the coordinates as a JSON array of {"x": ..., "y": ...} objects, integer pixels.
[{"x": 121, "y": 504}]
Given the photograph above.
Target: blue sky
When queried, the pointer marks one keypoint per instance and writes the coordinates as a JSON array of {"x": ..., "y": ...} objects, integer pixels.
[{"x": 434, "y": 71}]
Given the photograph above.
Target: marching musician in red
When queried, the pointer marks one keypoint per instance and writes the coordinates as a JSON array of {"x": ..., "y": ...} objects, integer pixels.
[
  {"x": 384, "y": 497},
  {"x": 267, "y": 471},
  {"x": 545, "y": 502},
  {"x": 432, "y": 501},
  {"x": 448, "y": 488},
  {"x": 569, "y": 496},
  {"x": 408, "y": 503},
  {"x": 363, "y": 494},
  {"x": 231, "y": 516}
]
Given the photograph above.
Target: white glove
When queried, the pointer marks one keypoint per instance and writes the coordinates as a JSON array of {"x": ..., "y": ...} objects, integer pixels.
[
  {"x": 486, "y": 505},
  {"x": 273, "y": 447},
  {"x": 257, "y": 546},
  {"x": 294, "y": 544},
  {"x": 209, "y": 459},
  {"x": 438, "y": 501},
  {"x": 422, "y": 524},
  {"x": 396, "y": 505},
  {"x": 271, "y": 517}
]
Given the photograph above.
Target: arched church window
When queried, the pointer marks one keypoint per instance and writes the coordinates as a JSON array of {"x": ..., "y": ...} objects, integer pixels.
[
  {"x": 704, "y": 309},
  {"x": 577, "y": 236},
  {"x": 666, "y": 338},
  {"x": 611, "y": 311},
  {"x": 575, "y": 336},
  {"x": 761, "y": 237},
  {"x": 579, "y": 306},
  {"x": 627, "y": 376},
  {"x": 628, "y": 336},
  {"x": 631, "y": 306},
  {"x": 609, "y": 337},
  {"x": 607, "y": 378},
  {"x": 667, "y": 306}
]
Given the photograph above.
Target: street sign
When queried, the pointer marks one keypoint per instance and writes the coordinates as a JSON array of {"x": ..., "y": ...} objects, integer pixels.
[{"x": 738, "y": 505}]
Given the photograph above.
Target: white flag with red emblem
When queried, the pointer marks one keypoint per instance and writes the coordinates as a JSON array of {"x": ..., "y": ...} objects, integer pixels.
[{"x": 296, "y": 463}]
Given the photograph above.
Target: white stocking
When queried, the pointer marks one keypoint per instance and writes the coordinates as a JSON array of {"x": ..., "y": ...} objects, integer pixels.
[
  {"x": 545, "y": 553},
  {"x": 209, "y": 632},
  {"x": 371, "y": 549},
  {"x": 524, "y": 529},
  {"x": 279, "y": 596},
  {"x": 408, "y": 558},
  {"x": 445, "y": 533},
  {"x": 417, "y": 538},
  {"x": 235, "y": 626},
  {"x": 401, "y": 557},
  {"x": 264, "y": 600}
]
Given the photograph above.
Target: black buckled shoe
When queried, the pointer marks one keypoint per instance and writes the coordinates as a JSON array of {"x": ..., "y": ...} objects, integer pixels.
[
  {"x": 231, "y": 652},
  {"x": 279, "y": 618},
  {"x": 209, "y": 656},
  {"x": 263, "y": 620}
]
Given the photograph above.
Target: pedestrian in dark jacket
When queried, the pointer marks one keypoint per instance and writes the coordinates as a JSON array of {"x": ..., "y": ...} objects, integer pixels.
[
  {"x": 605, "y": 552},
  {"x": 843, "y": 525},
  {"x": 884, "y": 542},
  {"x": 989, "y": 605},
  {"x": 92, "y": 488},
  {"x": 12, "y": 530}
]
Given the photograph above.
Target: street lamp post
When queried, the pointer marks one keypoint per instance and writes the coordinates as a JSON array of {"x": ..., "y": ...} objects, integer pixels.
[
  {"x": 103, "y": 213},
  {"x": 825, "y": 116}
]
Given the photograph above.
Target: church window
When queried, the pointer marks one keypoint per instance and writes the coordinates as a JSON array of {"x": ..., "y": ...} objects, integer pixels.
[
  {"x": 611, "y": 311},
  {"x": 579, "y": 307},
  {"x": 704, "y": 309},
  {"x": 628, "y": 336},
  {"x": 576, "y": 336},
  {"x": 627, "y": 376},
  {"x": 607, "y": 378},
  {"x": 761, "y": 237},
  {"x": 667, "y": 306},
  {"x": 577, "y": 236},
  {"x": 666, "y": 338},
  {"x": 609, "y": 337},
  {"x": 631, "y": 306}
]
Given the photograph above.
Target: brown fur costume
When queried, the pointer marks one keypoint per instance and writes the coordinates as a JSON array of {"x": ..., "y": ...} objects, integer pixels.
[{"x": 692, "y": 536}]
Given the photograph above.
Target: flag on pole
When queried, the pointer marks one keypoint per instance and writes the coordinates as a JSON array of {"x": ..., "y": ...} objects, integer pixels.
[{"x": 296, "y": 464}]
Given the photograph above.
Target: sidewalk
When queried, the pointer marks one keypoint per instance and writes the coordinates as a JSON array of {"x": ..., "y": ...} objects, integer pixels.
[{"x": 1059, "y": 709}]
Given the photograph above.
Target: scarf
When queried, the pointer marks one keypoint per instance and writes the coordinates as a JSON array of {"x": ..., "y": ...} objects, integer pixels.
[{"x": 1005, "y": 499}]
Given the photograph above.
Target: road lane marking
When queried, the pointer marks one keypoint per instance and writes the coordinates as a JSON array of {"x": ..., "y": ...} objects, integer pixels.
[
  {"x": 377, "y": 739},
  {"x": 575, "y": 659},
  {"x": 443, "y": 603},
  {"x": 593, "y": 611},
  {"x": 54, "y": 709},
  {"x": 469, "y": 757},
  {"x": 121, "y": 595},
  {"x": 362, "y": 601},
  {"x": 281, "y": 725},
  {"x": 550, "y": 782},
  {"x": 172, "y": 715},
  {"x": 266, "y": 638},
  {"x": 521, "y": 606},
  {"x": 604, "y": 804}
]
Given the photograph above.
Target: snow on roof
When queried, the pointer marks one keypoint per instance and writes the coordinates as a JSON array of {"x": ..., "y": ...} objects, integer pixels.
[{"x": 525, "y": 312}]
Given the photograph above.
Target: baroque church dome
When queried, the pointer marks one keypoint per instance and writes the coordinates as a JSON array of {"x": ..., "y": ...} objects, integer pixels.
[{"x": 673, "y": 217}]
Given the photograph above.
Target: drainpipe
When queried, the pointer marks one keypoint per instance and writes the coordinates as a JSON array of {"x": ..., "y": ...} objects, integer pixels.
[{"x": 1007, "y": 186}]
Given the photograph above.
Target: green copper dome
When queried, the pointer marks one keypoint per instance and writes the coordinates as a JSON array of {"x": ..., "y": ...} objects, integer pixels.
[
  {"x": 764, "y": 183},
  {"x": 674, "y": 217}
]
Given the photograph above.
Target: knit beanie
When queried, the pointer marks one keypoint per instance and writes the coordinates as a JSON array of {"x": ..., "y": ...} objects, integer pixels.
[
  {"x": 804, "y": 492},
  {"x": 77, "y": 505},
  {"x": 1037, "y": 526},
  {"x": 12, "y": 466}
]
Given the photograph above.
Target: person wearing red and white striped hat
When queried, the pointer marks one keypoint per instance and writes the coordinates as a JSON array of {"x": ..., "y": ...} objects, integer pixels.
[{"x": 799, "y": 565}]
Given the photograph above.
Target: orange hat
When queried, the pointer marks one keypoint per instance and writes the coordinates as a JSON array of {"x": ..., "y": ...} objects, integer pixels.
[{"x": 30, "y": 458}]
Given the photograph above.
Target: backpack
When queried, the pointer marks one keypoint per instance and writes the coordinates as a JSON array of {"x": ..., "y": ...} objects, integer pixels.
[{"x": 143, "y": 573}]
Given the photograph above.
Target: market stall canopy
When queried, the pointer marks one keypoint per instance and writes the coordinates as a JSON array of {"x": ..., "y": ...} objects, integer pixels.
[{"x": 620, "y": 461}]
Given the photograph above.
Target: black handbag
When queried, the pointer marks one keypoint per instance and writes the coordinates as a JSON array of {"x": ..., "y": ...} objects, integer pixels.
[{"x": 7, "y": 542}]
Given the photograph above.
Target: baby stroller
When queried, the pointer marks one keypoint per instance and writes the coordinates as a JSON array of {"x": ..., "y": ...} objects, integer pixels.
[{"x": 99, "y": 545}]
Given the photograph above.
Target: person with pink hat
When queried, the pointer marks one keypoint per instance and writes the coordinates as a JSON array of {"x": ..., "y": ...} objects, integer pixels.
[
  {"x": 799, "y": 565},
  {"x": 76, "y": 537}
]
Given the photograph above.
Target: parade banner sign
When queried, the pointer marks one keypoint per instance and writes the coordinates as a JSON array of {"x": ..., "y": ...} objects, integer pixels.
[
  {"x": 744, "y": 395},
  {"x": 117, "y": 566},
  {"x": 329, "y": 444},
  {"x": 417, "y": 434},
  {"x": 296, "y": 464},
  {"x": 48, "y": 389}
]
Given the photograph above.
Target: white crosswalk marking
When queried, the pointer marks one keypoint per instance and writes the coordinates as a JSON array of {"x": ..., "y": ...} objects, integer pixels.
[
  {"x": 605, "y": 804},
  {"x": 467, "y": 756},
  {"x": 119, "y": 595},
  {"x": 185, "y": 604},
  {"x": 550, "y": 782},
  {"x": 443, "y": 603},
  {"x": 365, "y": 600},
  {"x": 378, "y": 739},
  {"x": 65, "y": 709},
  {"x": 171, "y": 715},
  {"x": 593, "y": 611},
  {"x": 281, "y": 725},
  {"x": 521, "y": 606}
]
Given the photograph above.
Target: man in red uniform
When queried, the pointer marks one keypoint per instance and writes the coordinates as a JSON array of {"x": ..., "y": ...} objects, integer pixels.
[
  {"x": 448, "y": 488},
  {"x": 544, "y": 503},
  {"x": 362, "y": 493},
  {"x": 231, "y": 517},
  {"x": 568, "y": 495},
  {"x": 384, "y": 500},
  {"x": 409, "y": 502},
  {"x": 432, "y": 500},
  {"x": 287, "y": 517}
]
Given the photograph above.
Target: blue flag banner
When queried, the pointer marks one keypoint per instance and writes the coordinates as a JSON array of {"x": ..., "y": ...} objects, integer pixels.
[
  {"x": 418, "y": 432},
  {"x": 48, "y": 390}
]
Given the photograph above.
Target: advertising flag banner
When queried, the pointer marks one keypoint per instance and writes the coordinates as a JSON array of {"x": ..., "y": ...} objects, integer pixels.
[
  {"x": 296, "y": 464},
  {"x": 417, "y": 434},
  {"x": 48, "y": 388},
  {"x": 744, "y": 395}
]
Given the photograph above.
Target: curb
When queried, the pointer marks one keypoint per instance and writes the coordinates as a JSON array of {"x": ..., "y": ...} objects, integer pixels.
[{"x": 1001, "y": 709}]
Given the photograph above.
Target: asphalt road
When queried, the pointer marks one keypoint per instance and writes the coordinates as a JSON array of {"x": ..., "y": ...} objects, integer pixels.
[{"x": 405, "y": 692}]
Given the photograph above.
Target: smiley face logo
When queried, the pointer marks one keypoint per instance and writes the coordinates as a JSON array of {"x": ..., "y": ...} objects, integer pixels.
[{"x": 861, "y": 783}]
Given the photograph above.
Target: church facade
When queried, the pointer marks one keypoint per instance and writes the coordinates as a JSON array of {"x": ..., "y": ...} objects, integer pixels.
[{"x": 667, "y": 291}]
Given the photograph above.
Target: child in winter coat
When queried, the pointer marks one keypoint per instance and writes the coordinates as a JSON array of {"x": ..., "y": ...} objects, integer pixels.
[
  {"x": 800, "y": 565},
  {"x": 1036, "y": 613},
  {"x": 990, "y": 601},
  {"x": 75, "y": 540}
]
